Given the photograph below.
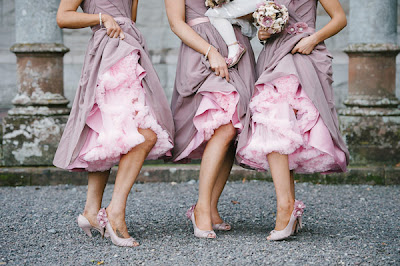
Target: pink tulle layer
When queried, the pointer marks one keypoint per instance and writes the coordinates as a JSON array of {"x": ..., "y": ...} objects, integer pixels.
[
  {"x": 285, "y": 120},
  {"x": 216, "y": 109},
  {"x": 119, "y": 111}
]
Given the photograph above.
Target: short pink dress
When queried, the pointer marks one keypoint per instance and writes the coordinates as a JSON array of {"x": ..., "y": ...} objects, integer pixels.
[
  {"x": 119, "y": 94},
  {"x": 202, "y": 101},
  {"x": 292, "y": 110}
]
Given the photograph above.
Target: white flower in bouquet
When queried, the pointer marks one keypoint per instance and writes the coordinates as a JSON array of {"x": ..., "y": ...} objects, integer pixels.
[
  {"x": 272, "y": 16},
  {"x": 216, "y": 3}
]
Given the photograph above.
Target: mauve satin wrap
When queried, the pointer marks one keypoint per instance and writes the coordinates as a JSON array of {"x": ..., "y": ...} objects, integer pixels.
[
  {"x": 102, "y": 53},
  {"x": 194, "y": 76},
  {"x": 314, "y": 71}
]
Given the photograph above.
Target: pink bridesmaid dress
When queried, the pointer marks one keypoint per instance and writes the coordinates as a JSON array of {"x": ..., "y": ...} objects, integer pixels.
[
  {"x": 202, "y": 101},
  {"x": 119, "y": 92},
  {"x": 292, "y": 110}
]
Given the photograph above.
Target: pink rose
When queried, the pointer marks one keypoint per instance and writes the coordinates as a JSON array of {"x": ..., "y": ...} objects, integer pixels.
[
  {"x": 291, "y": 30},
  {"x": 267, "y": 22}
]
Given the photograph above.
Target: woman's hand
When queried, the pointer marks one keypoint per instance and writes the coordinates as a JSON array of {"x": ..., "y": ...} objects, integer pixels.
[
  {"x": 263, "y": 34},
  {"x": 176, "y": 16},
  {"x": 218, "y": 63},
  {"x": 337, "y": 23},
  {"x": 113, "y": 29},
  {"x": 306, "y": 45}
]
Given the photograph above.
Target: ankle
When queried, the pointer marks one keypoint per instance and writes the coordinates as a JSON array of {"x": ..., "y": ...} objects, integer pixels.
[
  {"x": 90, "y": 212},
  {"x": 214, "y": 211},
  {"x": 202, "y": 213},
  {"x": 284, "y": 206},
  {"x": 200, "y": 207},
  {"x": 115, "y": 213}
]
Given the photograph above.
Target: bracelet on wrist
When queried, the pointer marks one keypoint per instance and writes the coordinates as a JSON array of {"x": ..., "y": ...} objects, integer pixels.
[
  {"x": 101, "y": 21},
  {"x": 208, "y": 51}
]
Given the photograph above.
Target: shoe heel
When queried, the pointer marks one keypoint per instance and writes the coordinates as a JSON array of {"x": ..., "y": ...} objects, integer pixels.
[
  {"x": 300, "y": 222},
  {"x": 84, "y": 224},
  {"x": 87, "y": 231},
  {"x": 297, "y": 227}
]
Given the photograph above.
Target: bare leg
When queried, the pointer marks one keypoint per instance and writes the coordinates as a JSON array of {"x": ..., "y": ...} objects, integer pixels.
[
  {"x": 96, "y": 184},
  {"x": 292, "y": 185},
  {"x": 128, "y": 170},
  {"x": 284, "y": 187},
  {"x": 212, "y": 161},
  {"x": 220, "y": 184}
]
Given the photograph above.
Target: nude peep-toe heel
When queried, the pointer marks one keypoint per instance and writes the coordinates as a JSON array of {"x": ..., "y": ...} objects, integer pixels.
[
  {"x": 222, "y": 227},
  {"x": 290, "y": 229},
  {"x": 118, "y": 241},
  {"x": 198, "y": 232}
]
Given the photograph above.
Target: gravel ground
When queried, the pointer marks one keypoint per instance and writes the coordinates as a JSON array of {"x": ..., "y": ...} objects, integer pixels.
[{"x": 343, "y": 225}]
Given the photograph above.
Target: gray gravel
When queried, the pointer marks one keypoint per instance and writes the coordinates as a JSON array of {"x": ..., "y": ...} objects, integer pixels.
[{"x": 343, "y": 225}]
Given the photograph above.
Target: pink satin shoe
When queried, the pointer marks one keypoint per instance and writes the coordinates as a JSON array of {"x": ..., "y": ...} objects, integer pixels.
[
  {"x": 231, "y": 62},
  {"x": 118, "y": 241},
  {"x": 197, "y": 232},
  {"x": 222, "y": 227},
  {"x": 290, "y": 229},
  {"x": 85, "y": 225}
]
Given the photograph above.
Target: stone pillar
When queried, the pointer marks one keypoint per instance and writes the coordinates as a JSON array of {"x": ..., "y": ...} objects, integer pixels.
[
  {"x": 32, "y": 129},
  {"x": 371, "y": 120}
]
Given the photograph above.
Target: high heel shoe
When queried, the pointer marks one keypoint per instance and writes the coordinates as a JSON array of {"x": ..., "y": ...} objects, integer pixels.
[
  {"x": 197, "y": 232},
  {"x": 118, "y": 241},
  {"x": 222, "y": 227},
  {"x": 232, "y": 61},
  {"x": 86, "y": 226},
  {"x": 290, "y": 229}
]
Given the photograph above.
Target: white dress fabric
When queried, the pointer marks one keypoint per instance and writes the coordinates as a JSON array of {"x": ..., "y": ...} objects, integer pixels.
[{"x": 233, "y": 10}]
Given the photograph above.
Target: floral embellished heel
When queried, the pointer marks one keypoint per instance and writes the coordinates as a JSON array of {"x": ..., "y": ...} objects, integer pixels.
[
  {"x": 290, "y": 229},
  {"x": 118, "y": 241}
]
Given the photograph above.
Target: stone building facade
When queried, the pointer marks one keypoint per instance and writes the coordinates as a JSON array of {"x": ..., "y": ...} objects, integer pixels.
[{"x": 163, "y": 44}]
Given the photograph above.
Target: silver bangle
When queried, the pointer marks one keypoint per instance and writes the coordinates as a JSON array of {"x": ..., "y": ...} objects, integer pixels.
[
  {"x": 101, "y": 21},
  {"x": 208, "y": 51}
]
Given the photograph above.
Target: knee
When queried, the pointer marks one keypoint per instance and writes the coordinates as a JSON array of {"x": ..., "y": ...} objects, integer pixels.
[
  {"x": 227, "y": 132},
  {"x": 150, "y": 138}
]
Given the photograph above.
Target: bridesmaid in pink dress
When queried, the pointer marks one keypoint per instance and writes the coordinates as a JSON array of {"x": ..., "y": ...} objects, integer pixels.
[
  {"x": 209, "y": 104},
  {"x": 120, "y": 113},
  {"x": 293, "y": 123}
]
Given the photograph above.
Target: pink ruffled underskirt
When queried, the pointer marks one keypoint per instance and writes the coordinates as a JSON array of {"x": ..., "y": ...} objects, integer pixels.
[
  {"x": 216, "y": 109},
  {"x": 285, "y": 120},
  {"x": 119, "y": 111}
]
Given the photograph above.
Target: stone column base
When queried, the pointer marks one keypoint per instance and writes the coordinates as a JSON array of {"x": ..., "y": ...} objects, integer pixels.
[
  {"x": 370, "y": 122},
  {"x": 31, "y": 140},
  {"x": 372, "y": 135}
]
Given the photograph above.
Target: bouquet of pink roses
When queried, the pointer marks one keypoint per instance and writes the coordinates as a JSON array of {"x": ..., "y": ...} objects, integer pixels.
[
  {"x": 272, "y": 16},
  {"x": 216, "y": 3}
]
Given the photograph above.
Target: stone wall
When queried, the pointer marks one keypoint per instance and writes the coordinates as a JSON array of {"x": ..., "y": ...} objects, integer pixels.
[{"x": 163, "y": 44}]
